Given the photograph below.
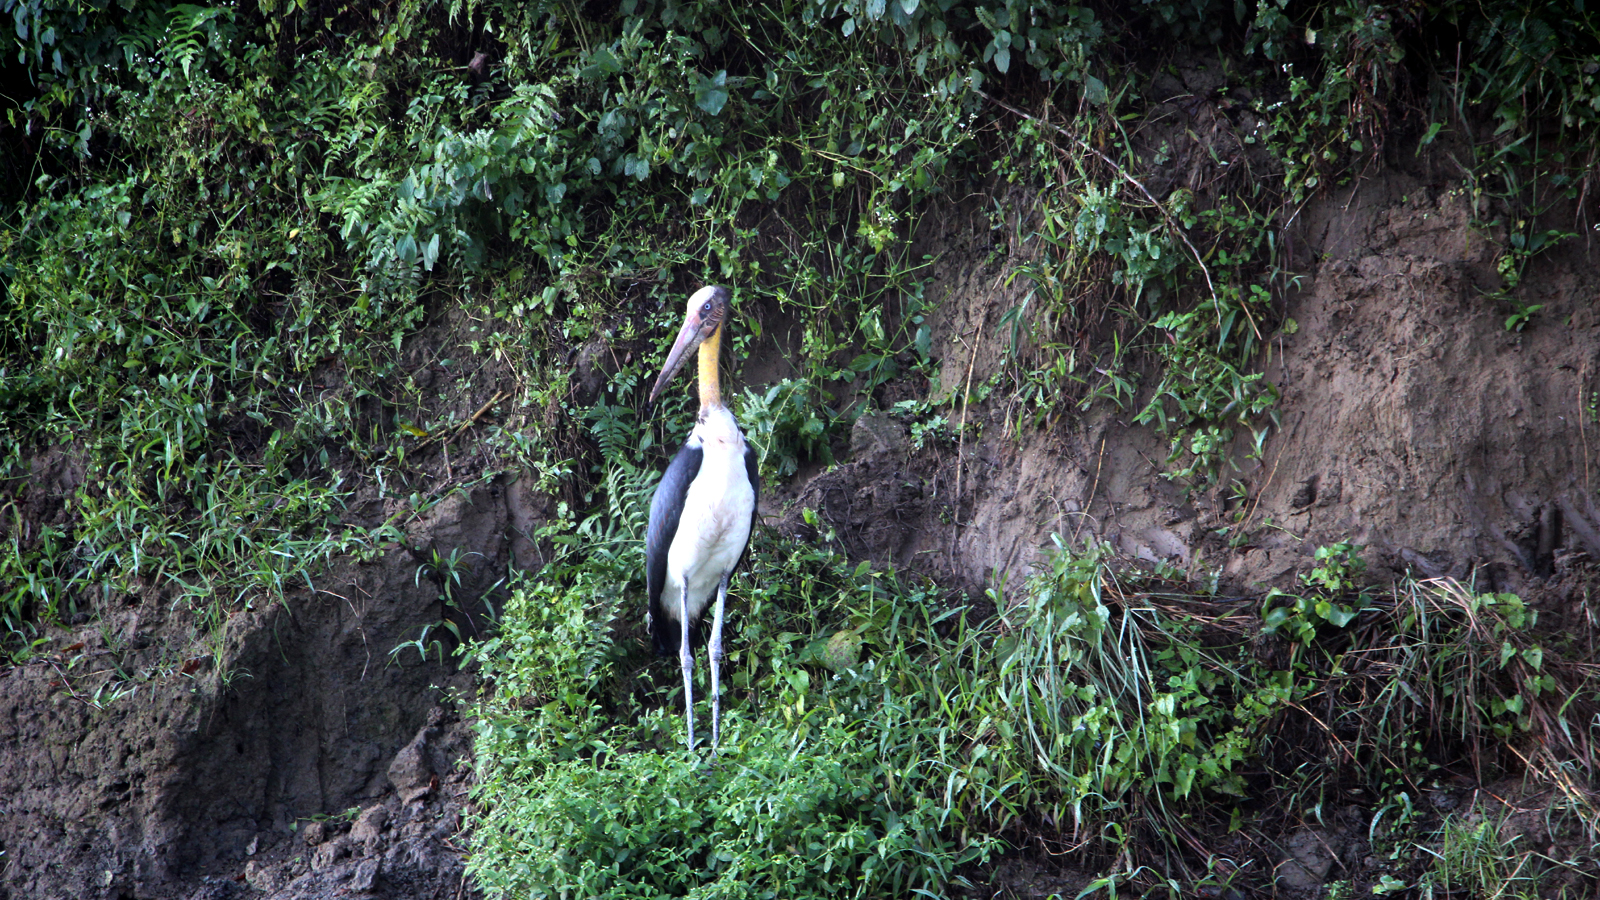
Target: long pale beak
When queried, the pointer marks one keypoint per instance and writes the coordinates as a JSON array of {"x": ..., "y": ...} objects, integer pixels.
[{"x": 689, "y": 338}]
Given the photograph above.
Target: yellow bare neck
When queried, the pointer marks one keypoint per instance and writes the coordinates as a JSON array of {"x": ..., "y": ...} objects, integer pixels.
[{"x": 710, "y": 387}]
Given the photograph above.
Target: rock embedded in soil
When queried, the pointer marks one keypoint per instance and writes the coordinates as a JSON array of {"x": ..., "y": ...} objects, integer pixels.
[
  {"x": 1311, "y": 857},
  {"x": 410, "y": 772}
]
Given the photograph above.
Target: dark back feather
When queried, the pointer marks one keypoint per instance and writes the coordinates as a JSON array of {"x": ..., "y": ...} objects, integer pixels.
[
  {"x": 752, "y": 467},
  {"x": 666, "y": 508}
]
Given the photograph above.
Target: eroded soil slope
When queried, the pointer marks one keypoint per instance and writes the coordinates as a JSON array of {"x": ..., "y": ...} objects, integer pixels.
[
  {"x": 302, "y": 759},
  {"x": 1412, "y": 421}
]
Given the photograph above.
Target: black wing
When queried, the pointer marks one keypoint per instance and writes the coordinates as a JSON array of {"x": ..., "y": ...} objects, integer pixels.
[
  {"x": 666, "y": 508},
  {"x": 752, "y": 467}
]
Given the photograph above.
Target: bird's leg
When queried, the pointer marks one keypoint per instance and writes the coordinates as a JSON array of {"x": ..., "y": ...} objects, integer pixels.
[
  {"x": 687, "y": 662},
  {"x": 716, "y": 663}
]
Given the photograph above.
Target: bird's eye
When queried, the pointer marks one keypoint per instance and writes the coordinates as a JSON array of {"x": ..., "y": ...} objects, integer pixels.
[{"x": 706, "y": 308}]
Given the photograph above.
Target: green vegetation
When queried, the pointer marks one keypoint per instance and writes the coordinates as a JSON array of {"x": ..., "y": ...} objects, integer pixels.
[
  {"x": 1106, "y": 712},
  {"x": 258, "y": 262}
]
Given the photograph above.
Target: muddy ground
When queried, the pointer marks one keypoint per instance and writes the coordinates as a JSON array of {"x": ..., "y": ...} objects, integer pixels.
[{"x": 307, "y": 762}]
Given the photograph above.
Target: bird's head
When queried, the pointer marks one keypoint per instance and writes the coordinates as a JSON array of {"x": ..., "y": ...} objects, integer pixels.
[{"x": 708, "y": 309}]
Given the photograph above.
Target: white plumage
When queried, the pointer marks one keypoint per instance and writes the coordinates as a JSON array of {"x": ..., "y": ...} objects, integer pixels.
[
  {"x": 702, "y": 511},
  {"x": 717, "y": 514}
]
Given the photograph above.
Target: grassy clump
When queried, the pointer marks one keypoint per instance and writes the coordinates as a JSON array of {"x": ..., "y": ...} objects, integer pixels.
[
  {"x": 888, "y": 775},
  {"x": 1122, "y": 722},
  {"x": 1110, "y": 712},
  {"x": 585, "y": 793}
]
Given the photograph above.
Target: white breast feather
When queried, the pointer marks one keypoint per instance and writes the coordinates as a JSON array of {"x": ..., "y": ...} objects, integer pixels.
[{"x": 715, "y": 525}]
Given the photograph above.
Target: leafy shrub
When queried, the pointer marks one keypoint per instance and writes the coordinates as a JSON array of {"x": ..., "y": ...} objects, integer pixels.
[{"x": 881, "y": 772}]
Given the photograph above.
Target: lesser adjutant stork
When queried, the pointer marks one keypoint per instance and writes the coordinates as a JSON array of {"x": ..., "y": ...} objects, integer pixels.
[{"x": 703, "y": 510}]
